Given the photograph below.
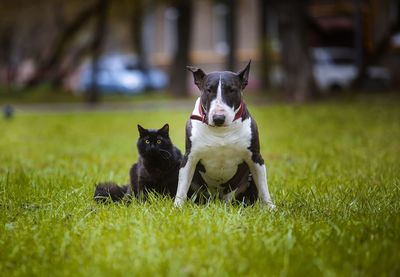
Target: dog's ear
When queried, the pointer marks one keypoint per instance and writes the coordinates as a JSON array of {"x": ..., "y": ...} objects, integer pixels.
[
  {"x": 244, "y": 75},
  {"x": 164, "y": 129},
  {"x": 142, "y": 131},
  {"x": 198, "y": 75}
]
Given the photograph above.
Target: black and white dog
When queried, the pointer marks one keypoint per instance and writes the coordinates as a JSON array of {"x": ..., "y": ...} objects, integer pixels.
[{"x": 222, "y": 144}]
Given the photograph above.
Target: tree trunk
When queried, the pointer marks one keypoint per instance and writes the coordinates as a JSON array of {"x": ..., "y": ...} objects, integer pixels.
[
  {"x": 295, "y": 57},
  {"x": 379, "y": 50},
  {"x": 178, "y": 74},
  {"x": 70, "y": 65},
  {"x": 6, "y": 62},
  {"x": 231, "y": 34},
  {"x": 359, "y": 45},
  {"x": 48, "y": 68},
  {"x": 265, "y": 60},
  {"x": 99, "y": 36},
  {"x": 138, "y": 15}
]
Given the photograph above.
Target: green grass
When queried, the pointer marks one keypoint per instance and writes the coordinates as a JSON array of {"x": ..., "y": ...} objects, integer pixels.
[{"x": 333, "y": 173}]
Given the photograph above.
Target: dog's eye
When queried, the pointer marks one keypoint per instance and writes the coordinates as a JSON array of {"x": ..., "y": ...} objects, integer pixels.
[
  {"x": 158, "y": 141},
  {"x": 147, "y": 141},
  {"x": 209, "y": 90}
]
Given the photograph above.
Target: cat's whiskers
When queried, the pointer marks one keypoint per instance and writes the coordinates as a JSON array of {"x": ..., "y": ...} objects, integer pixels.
[{"x": 164, "y": 151}]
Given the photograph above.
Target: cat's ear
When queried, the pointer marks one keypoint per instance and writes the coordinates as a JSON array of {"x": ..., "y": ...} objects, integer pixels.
[
  {"x": 165, "y": 129},
  {"x": 142, "y": 131}
]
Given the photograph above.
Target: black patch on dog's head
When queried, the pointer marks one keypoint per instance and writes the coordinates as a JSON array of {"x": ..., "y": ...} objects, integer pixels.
[{"x": 232, "y": 85}]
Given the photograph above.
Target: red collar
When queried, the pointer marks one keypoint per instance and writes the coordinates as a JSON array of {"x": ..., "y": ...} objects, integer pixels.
[{"x": 203, "y": 115}]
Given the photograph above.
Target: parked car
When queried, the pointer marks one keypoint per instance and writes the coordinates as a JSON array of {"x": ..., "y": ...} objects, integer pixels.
[
  {"x": 335, "y": 68},
  {"x": 396, "y": 40},
  {"x": 122, "y": 73}
]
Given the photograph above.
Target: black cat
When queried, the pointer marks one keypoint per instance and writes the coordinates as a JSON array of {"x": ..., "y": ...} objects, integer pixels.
[{"x": 156, "y": 170}]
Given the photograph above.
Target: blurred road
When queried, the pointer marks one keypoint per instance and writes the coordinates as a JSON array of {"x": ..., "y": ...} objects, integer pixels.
[{"x": 104, "y": 107}]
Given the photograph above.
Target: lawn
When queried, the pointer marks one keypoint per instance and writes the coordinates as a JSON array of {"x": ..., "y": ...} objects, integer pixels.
[{"x": 333, "y": 173}]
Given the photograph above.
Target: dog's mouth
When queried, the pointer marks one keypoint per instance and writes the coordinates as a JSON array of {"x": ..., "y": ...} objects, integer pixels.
[
  {"x": 218, "y": 126},
  {"x": 218, "y": 120}
]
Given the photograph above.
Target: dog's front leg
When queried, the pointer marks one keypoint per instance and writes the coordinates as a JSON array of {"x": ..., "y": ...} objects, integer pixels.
[
  {"x": 185, "y": 178},
  {"x": 259, "y": 172}
]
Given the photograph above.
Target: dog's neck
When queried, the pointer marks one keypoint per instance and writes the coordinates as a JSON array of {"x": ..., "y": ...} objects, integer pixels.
[{"x": 199, "y": 113}]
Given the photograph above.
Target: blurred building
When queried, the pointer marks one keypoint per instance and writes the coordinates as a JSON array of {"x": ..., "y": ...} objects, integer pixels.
[
  {"x": 209, "y": 41},
  {"x": 367, "y": 26},
  {"x": 361, "y": 25}
]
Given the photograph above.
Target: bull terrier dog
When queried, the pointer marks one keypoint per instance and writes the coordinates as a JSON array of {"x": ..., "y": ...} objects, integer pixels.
[{"x": 222, "y": 143}]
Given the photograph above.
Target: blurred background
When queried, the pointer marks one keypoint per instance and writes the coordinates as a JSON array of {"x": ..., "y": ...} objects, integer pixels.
[{"x": 300, "y": 50}]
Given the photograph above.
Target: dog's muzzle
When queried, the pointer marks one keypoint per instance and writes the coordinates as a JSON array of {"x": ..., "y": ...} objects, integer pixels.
[{"x": 218, "y": 119}]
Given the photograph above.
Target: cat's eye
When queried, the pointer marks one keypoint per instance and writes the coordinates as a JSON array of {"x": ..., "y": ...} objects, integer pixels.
[
  {"x": 147, "y": 141},
  {"x": 158, "y": 141}
]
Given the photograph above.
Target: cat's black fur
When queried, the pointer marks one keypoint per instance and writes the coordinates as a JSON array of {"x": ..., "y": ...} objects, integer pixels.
[{"x": 156, "y": 170}]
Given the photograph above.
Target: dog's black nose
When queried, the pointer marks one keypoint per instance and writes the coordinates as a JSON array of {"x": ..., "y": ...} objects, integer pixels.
[{"x": 219, "y": 119}]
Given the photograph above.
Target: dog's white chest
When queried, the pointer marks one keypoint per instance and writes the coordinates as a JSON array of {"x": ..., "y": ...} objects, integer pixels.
[{"x": 220, "y": 149}]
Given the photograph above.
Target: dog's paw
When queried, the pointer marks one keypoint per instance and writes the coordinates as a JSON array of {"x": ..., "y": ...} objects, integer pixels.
[
  {"x": 178, "y": 203},
  {"x": 269, "y": 205}
]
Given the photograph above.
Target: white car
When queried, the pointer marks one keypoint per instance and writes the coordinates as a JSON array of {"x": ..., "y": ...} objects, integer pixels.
[
  {"x": 122, "y": 73},
  {"x": 335, "y": 68}
]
